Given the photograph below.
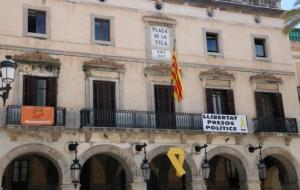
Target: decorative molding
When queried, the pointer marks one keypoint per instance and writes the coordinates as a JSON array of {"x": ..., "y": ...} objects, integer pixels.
[
  {"x": 103, "y": 64},
  {"x": 160, "y": 18},
  {"x": 158, "y": 69},
  {"x": 265, "y": 78},
  {"x": 216, "y": 74},
  {"x": 38, "y": 60}
]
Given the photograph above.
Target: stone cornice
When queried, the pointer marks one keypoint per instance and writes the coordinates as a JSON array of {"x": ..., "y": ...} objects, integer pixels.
[
  {"x": 38, "y": 60},
  {"x": 234, "y": 7},
  {"x": 216, "y": 74},
  {"x": 103, "y": 64},
  {"x": 158, "y": 69},
  {"x": 160, "y": 18},
  {"x": 265, "y": 78}
]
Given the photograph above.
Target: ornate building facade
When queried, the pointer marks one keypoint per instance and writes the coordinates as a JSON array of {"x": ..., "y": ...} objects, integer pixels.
[{"x": 103, "y": 68}]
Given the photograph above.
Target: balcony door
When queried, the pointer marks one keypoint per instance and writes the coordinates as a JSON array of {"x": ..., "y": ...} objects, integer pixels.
[
  {"x": 104, "y": 103},
  {"x": 220, "y": 101},
  {"x": 39, "y": 91},
  {"x": 164, "y": 107},
  {"x": 269, "y": 105}
]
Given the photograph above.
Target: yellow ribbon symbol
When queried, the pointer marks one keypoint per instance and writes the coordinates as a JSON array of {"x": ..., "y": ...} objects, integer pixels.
[
  {"x": 242, "y": 121},
  {"x": 177, "y": 156}
]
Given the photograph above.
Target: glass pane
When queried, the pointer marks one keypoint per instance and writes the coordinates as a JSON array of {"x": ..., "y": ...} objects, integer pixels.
[
  {"x": 24, "y": 171},
  {"x": 102, "y": 30},
  {"x": 37, "y": 21},
  {"x": 260, "y": 48},
  {"x": 212, "y": 43},
  {"x": 41, "y": 97},
  {"x": 41, "y": 83},
  {"x": 16, "y": 171}
]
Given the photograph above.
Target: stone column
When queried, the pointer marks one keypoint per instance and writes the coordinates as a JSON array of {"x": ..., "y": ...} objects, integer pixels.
[
  {"x": 251, "y": 185},
  {"x": 198, "y": 185},
  {"x": 137, "y": 185},
  {"x": 68, "y": 187}
]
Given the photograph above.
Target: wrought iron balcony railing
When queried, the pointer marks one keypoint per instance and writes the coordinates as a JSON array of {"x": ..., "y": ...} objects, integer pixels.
[
  {"x": 274, "y": 4},
  {"x": 140, "y": 119},
  {"x": 282, "y": 125},
  {"x": 13, "y": 115}
]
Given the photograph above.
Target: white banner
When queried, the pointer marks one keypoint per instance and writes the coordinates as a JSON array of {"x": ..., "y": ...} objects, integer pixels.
[{"x": 225, "y": 123}]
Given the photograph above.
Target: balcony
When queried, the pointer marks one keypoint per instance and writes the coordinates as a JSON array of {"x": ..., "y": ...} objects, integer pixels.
[
  {"x": 13, "y": 115},
  {"x": 141, "y": 119},
  {"x": 257, "y": 3},
  {"x": 281, "y": 125}
]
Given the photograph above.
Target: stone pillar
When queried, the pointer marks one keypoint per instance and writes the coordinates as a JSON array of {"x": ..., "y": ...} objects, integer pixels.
[
  {"x": 137, "y": 185},
  {"x": 251, "y": 185},
  {"x": 198, "y": 185},
  {"x": 68, "y": 187}
]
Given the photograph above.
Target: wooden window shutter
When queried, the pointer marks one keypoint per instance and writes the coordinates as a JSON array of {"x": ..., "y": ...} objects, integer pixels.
[
  {"x": 279, "y": 110},
  {"x": 259, "y": 104},
  {"x": 51, "y": 91},
  {"x": 29, "y": 90},
  {"x": 230, "y": 102},
  {"x": 209, "y": 103}
]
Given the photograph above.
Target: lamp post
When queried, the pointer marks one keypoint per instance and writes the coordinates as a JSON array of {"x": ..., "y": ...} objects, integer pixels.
[
  {"x": 261, "y": 166},
  {"x": 145, "y": 167},
  {"x": 205, "y": 166},
  {"x": 8, "y": 68},
  {"x": 75, "y": 166}
]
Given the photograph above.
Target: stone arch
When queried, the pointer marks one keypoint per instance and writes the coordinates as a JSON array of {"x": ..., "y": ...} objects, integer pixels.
[
  {"x": 290, "y": 163},
  {"x": 235, "y": 156},
  {"x": 126, "y": 159},
  {"x": 188, "y": 158},
  {"x": 59, "y": 161}
]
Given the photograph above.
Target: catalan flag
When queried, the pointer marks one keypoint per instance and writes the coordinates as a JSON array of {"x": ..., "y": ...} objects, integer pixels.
[{"x": 176, "y": 79}]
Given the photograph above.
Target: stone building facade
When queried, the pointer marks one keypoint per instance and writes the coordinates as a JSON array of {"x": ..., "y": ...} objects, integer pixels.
[{"x": 105, "y": 67}]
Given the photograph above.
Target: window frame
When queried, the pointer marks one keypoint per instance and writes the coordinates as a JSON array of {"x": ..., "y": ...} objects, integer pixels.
[
  {"x": 219, "y": 42},
  {"x": 266, "y": 45},
  {"x": 111, "y": 30},
  {"x": 26, "y": 9}
]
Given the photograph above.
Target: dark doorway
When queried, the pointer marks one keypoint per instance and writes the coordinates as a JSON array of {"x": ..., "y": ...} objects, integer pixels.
[
  {"x": 224, "y": 175},
  {"x": 164, "y": 107},
  {"x": 30, "y": 172},
  {"x": 104, "y": 103},
  {"x": 102, "y": 172},
  {"x": 163, "y": 175},
  {"x": 220, "y": 101}
]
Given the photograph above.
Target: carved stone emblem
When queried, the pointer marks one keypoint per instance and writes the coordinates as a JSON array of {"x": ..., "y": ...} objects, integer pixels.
[
  {"x": 158, "y": 69},
  {"x": 103, "y": 64}
]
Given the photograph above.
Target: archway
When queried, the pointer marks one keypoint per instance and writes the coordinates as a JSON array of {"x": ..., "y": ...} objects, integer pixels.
[
  {"x": 281, "y": 175},
  {"x": 102, "y": 172},
  {"x": 228, "y": 169},
  {"x": 30, "y": 172}
]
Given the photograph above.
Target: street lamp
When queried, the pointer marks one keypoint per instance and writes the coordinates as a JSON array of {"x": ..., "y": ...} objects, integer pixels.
[
  {"x": 145, "y": 167},
  {"x": 8, "y": 68},
  {"x": 75, "y": 166},
  {"x": 205, "y": 166},
  {"x": 261, "y": 166}
]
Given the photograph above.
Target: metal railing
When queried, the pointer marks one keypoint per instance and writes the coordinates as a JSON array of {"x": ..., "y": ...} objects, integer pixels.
[
  {"x": 13, "y": 115},
  {"x": 282, "y": 125},
  {"x": 295, "y": 35},
  {"x": 259, "y": 3},
  {"x": 140, "y": 119}
]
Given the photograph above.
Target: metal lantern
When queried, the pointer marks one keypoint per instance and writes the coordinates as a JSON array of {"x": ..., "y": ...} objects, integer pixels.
[
  {"x": 262, "y": 170},
  {"x": 75, "y": 172},
  {"x": 145, "y": 167},
  {"x": 8, "y": 68},
  {"x": 205, "y": 169}
]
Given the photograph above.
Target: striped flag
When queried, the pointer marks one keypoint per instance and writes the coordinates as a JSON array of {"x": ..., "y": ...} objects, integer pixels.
[{"x": 176, "y": 79}]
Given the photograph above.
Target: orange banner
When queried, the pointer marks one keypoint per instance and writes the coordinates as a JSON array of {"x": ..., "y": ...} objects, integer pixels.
[{"x": 35, "y": 115}]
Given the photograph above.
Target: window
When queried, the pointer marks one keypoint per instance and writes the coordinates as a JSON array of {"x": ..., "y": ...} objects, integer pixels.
[
  {"x": 220, "y": 101},
  {"x": 39, "y": 91},
  {"x": 102, "y": 30},
  {"x": 212, "y": 42},
  {"x": 260, "y": 47},
  {"x": 269, "y": 104},
  {"x": 36, "y": 21}
]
